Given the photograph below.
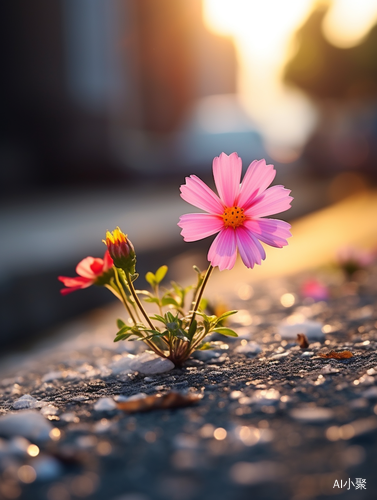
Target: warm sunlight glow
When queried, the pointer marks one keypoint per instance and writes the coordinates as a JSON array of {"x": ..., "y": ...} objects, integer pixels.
[
  {"x": 262, "y": 33},
  {"x": 348, "y": 21},
  {"x": 262, "y": 27}
]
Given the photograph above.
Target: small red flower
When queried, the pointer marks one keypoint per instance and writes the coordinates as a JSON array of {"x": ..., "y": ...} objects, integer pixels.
[{"x": 90, "y": 271}]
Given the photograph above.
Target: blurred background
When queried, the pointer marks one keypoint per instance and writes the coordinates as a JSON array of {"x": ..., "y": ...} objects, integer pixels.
[{"x": 108, "y": 105}]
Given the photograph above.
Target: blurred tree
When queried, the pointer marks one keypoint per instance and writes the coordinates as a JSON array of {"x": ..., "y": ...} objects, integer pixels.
[
  {"x": 343, "y": 84},
  {"x": 327, "y": 72}
]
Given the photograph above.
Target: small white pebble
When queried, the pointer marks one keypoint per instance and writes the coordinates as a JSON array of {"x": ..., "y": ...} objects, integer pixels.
[{"x": 105, "y": 404}]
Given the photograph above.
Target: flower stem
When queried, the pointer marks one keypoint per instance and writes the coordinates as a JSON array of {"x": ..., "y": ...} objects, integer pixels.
[
  {"x": 119, "y": 292},
  {"x": 201, "y": 290},
  {"x": 137, "y": 300}
]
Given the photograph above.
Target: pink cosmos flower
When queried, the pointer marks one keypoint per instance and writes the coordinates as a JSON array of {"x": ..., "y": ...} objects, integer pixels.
[
  {"x": 314, "y": 289},
  {"x": 237, "y": 213},
  {"x": 90, "y": 271}
]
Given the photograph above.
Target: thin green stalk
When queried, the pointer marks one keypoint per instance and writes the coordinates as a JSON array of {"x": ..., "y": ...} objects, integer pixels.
[
  {"x": 137, "y": 300},
  {"x": 201, "y": 290},
  {"x": 132, "y": 302},
  {"x": 123, "y": 295}
]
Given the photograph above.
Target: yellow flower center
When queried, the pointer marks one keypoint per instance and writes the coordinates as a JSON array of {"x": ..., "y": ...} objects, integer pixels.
[{"x": 233, "y": 217}]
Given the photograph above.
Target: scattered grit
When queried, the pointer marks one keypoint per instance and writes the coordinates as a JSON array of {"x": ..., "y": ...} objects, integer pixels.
[{"x": 275, "y": 421}]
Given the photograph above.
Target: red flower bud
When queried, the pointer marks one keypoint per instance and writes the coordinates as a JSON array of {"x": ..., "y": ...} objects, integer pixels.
[{"x": 121, "y": 250}]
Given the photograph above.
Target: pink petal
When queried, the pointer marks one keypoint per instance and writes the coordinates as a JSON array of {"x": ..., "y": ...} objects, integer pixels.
[
  {"x": 223, "y": 251},
  {"x": 250, "y": 249},
  {"x": 227, "y": 174},
  {"x": 197, "y": 193},
  {"x": 271, "y": 231},
  {"x": 274, "y": 200},
  {"x": 257, "y": 178},
  {"x": 84, "y": 268},
  {"x": 198, "y": 226},
  {"x": 107, "y": 261},
  {"x": 78, "y": 282}
]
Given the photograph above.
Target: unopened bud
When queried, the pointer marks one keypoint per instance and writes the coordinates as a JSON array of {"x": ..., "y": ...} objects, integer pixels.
[{"x": 121, "y": 250}]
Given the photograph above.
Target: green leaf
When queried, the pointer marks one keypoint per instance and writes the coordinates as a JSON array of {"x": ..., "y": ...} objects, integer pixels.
[
  {"x": 145, "y": 292},
  {"x": 160, "y": 274},
  {"x": 203, "y": 304},
  {"x": 134, "y": 277},
  {"x": 225, "y": 315},
  {"x": 169, "y": 317},
  {"x": 166, "y": 301},
  {"x": 123, "y": 336},
  {"x": 205, "y": 346},
  {"x": 151, "y": 278},
  {"x": 225, "y": 331},
  {"x": 157, "y": 317},
  {"x": 120, "y": 323},
  {"x": 155, "y": 332},
  {"x": 154, "y": 335},
  {"x": 192, "y": 329},
  {"x": 124, "y": 329},
  {"x": 181, "y": 335},
  {"x": 153, "y": 300},
  {"x": 209, "y": 319}
]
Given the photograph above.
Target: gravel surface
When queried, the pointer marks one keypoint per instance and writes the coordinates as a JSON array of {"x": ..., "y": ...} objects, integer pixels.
[{"x": 275, "y": 421}]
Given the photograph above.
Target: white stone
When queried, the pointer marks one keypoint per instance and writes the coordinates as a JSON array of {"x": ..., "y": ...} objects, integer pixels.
[
  {"x": 280, "y": 355},
  {"x": 70, "y": 417},
  {"x": 25, "y": 402},
  {"x": 312, "y": 329},
  {"x": 28, "y": 423},
  {"x": 121, "y": 398},
  {"x": 312, "y": 414},
  {"x": 105, "y": 404},
  {"x": 249, "y": 348},
  {"x": 80, "y": 398},
  {"x": 150, "y": 364},
  {"x": 329, "y": 369},
  {"x": 122, "y": 364},
  {"x": 51, "y": 376},
  {"x": 49, "y": 410}
]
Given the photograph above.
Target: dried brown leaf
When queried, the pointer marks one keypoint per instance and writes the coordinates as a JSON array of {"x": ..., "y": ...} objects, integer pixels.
[
  {"x": 302, "y": 340},
  {"x": 336, "y": 355},
  {"x": 159, "y": 401}
]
